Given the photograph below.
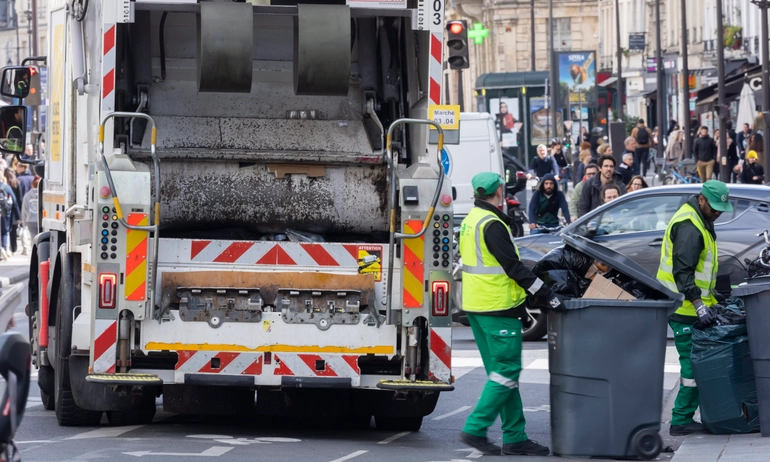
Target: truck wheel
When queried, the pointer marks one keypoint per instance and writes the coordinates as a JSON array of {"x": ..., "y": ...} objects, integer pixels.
[
  {"x": 45, "y": 381},
  {"x": 68, "y": 413},
  {"x": 534, "y": 326},
  {"x": 388, "y": 423},
  {"x": 139, "y": 417},
  {"x": 647, "y": 444}
]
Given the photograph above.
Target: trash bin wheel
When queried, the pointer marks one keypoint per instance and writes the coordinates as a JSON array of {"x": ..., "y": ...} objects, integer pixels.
[{"x": 647, "y": 444}]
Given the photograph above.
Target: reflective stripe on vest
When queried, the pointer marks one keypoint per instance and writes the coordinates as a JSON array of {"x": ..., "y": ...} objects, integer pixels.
[
  {"x": 705, "y": 270},
  {"x": 486, "y": 286}
]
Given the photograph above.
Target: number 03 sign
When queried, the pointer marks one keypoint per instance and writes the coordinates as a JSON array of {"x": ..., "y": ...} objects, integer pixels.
[
  {"x": 447, "y": 116},
  {"x": 430, "y": 13}
]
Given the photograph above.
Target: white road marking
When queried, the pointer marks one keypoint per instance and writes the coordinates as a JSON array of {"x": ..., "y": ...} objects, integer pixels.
[
  {"x": 106, "y": 432},
  {"x": 450, "y": 414},
  {"x": 350, "y": 456},
  {"x": 672, "y": 368},
  {"x": 209, "y": 437},
  {"x": 214, "y": 451},
  {"x": 474, "y": 453},
  {"x": 35, "y": 442},
  {"x": 542, "y": 407},
  {"x": 394, "y": 437},
  {"x": 466, "y": 362}
]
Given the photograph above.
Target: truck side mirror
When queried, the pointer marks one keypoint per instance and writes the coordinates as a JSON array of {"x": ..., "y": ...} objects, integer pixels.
[
  {"x": 13, "y": 120},
  {"x": 15, "y": 81}
]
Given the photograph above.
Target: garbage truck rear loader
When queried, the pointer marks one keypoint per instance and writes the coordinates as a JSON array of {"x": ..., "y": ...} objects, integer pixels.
[{"x": 243, "y": 199}]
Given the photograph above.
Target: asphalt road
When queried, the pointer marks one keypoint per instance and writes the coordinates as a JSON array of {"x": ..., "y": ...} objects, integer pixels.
[{"x": 177, "y": 437}]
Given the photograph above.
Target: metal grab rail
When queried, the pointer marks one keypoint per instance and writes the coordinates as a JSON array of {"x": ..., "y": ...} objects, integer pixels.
[
  {"x": 393, "y": 234},
  {"x": 155, "y": 226}
]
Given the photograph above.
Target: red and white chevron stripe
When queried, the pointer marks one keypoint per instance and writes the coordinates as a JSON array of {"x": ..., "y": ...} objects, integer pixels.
[
  {"x": 105, "y": 346},
  {"x": 441, "y": 354},
  {"x": 436, "y": 66},
  {"x": 287, "y": 364},
  {"x": 264, "y": 253},
  {"x": 108, "y": 69}
]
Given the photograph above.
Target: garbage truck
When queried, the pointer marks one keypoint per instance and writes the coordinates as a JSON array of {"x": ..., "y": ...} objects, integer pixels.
[{"x": 242, "y": 210}]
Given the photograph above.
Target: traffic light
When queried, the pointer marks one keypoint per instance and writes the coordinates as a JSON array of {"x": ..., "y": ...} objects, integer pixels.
[
  {"x": 34, "y": 98},
  {"x": 457, "y": 42}
]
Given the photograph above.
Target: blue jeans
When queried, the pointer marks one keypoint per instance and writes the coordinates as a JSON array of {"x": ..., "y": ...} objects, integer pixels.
[{"x": 6, "y": 231}]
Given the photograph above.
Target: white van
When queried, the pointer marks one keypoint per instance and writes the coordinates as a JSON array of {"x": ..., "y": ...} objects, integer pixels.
[{"x": 478, "y": 151}]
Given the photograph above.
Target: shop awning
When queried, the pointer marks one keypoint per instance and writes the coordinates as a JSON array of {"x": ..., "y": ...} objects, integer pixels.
[
  {"x": 609, "y": 81},
  {"x": 502, "y": 80}
]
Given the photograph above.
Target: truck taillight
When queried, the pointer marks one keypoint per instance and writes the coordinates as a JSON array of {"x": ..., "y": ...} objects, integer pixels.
[
  {"x": 108, "y": 288},
  {"x": 440, "y": 298}
]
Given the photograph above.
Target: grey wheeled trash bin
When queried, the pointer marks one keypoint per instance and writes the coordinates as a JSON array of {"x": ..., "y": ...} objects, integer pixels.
[
  {"x": 756, "y": 299},
  {"x": 606, "y": 359}
]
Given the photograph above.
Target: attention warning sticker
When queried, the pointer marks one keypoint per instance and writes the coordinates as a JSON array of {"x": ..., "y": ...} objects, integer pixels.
[{"x": 370, "y": 260}]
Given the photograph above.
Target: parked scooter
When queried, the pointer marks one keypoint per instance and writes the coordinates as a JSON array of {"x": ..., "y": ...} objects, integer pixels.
[{"x": 515, "y": 210}]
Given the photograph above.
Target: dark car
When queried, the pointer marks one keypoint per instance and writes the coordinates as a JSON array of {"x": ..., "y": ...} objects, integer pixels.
[{"x": 634, "y": 225}]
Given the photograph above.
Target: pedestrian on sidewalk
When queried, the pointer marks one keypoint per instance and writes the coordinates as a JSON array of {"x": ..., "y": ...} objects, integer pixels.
[
  {"x": 13, "y": 226},
  {"x": 753, "y": 172},
  {"x": 643, "y": 137},
  {"x": 29, "y": 215},
  {"x": 704, "y": 152},
  {"x": 689, "y": 265},
  {"x": 9, "y": 209},
  {"x": 495, "y": 286}
]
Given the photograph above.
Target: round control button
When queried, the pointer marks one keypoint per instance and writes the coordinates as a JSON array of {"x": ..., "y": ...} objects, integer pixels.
[
  {"x": 114, "y": 240},
  {"x": 446, "y": 199},
  {"x": 445, "y": 217},
  {"x": 445, "y": 248},
  {"x": 445, "y": 240},
  {"x": 114, "y": 248},
  {"x": 435, "y": 255},
  {"x": 436, "y": 232},
  {"x": 105, "y": 217},
  {"x": 114, "y": 225},
  {"x": 446, "y": 225},
  {"x": 104, "y": 191},
  {"x": 445, "y": 256},
  {"x": 104, "y": 247},
  {"x": 106, "y": 209},
  {"x": 436, "y": 240},
  {"x": 436, "y": 248},
  {"x": 104, "y": 240},
  {"x": 113, "y": 256},
  {"x": 114, "y": 232},
  {"x": 435, "y": 263},
  {"x": 445, "y": 263},
  {"x": 104, "y": 225},
  {"x": 114, "y": 217},
  {"x": 105, "y": 232},
  {"x": 114, "y": 210},
  {"x": 104, "y": 255},
  {"x": 446, "y": 233},
  {"x": 436, "y": 217},
  {"x": 436, "y": 225}
]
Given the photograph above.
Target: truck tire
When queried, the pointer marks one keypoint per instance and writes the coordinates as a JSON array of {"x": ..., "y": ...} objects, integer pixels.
[
  {"x": 389, "y": 423},
  {"x": 68, "y": 413},
  {"x": 45, "y": 378}
]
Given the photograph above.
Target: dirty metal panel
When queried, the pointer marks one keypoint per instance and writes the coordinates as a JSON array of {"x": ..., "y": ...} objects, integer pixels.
[{"x": 347, "y": 199}]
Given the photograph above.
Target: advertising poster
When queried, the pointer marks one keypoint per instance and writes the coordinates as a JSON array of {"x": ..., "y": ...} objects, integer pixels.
[
  {"x": 543, "y": 125},
  {"x": 577, "y": 79},
  {"x": 507, "y": 122}
]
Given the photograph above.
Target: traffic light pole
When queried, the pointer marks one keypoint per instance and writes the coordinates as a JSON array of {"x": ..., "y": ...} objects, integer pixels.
[
  {"x": 724, "y": 168},
  {"x": 35, "y": 109},
  {"x": 660, "y": 77},
  {"x": 686, "y": 85},
  {"x": 460, "y": 95},
  {"x": 763, "y": 6}
]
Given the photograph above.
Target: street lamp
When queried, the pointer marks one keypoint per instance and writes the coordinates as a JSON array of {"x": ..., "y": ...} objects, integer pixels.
[
  {"x": 763, "y": 6},
  {"x": 722, "y": 110}
]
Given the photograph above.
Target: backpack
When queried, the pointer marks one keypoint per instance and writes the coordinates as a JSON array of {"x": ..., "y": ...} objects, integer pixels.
[
  {"x": 642, "y": 136},
  {"x": 6, "y": 205}
]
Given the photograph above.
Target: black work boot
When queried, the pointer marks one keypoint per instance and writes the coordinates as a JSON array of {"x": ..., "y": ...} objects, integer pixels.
[
  {"x": 525, "y": 448},
  {"x": 682, "y": 430},
  {"x": 480, "y": 443}
]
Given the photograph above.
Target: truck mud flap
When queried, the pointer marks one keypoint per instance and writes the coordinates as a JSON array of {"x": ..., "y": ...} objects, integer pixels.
[
  {"x": 219, "y": 380},
  {"x": 101, "y": 397},
  {"x": 316, "y": 382}
]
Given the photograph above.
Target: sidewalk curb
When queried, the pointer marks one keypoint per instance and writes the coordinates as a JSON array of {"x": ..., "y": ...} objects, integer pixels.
[{"x": 13, "y": 279}]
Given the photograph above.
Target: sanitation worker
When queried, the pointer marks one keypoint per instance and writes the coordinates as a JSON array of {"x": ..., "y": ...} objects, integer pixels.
[
  {"x": 688, "y": 265},
  {"x": 495, "y": 286}
]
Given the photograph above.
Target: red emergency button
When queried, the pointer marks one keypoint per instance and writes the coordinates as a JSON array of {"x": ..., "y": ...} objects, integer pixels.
[
  {"x": 446, "y": 199},
  {"x": 104, "y": 191}
]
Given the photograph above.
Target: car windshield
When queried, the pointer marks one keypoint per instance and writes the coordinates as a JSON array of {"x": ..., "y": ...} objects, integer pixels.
[{"x": 640, "y": 214}]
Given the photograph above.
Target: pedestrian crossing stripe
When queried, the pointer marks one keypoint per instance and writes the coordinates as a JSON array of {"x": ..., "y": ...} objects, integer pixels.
[
  {"x": 414, "y": 266},
  {"x": 136, "y": 258},
  {"x": 372, "y": 264}
]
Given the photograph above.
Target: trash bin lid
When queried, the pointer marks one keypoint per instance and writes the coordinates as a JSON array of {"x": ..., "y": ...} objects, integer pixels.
[
  {"x": 619, "y": 262},
  {"x": 753, "y": 286}
]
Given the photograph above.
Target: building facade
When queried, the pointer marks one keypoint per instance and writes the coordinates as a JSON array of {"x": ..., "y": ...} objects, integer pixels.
[
  {"x": 508, "y": 44},
  {"x": 16, "y": 30}
]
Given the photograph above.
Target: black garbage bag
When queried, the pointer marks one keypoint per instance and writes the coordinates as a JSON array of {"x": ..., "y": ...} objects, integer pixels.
[
  {"x": 566, "y": 282},
  {"x": 724, "y": 373},
  {"x": 635, "y": 288},
  {"x": 750, "y": 408},
  {"x": 563, "y": 258}
]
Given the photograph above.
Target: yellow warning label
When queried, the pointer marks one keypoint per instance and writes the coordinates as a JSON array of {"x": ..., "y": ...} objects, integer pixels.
[{"x": 370, "y": 260}]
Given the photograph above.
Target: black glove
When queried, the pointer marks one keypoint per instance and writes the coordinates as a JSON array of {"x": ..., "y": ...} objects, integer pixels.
[
  {"x": 704, "y": 314},
  {"x": 546, "y": 299},
  {"x": 719, "y": 297}
]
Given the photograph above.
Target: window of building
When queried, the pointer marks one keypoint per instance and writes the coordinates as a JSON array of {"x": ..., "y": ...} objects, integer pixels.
[{"x": 562, "y": 34}]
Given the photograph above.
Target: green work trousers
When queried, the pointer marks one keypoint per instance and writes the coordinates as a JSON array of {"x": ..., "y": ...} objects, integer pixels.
[
  {"x": 499, "y": 342},
  {"x": 687, "y": 399}
]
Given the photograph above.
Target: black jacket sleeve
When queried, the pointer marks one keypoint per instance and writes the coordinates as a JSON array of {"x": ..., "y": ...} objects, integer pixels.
[
  {"x": 564, "y": 205},
  {"x": 584, "y": 205},
  {"x": 534, "y": 202},
  {"x": 501, "y": 247},
  {"x": 688, "y": 244}
]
